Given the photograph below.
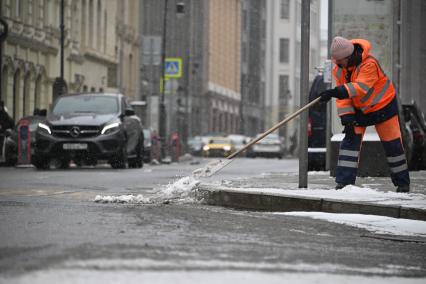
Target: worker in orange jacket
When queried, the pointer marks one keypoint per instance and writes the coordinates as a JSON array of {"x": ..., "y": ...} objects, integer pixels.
[{"x": 365, "y": 96}]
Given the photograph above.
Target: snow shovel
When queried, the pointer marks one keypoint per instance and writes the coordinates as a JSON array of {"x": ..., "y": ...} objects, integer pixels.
[{"x": 215, "y": 166}]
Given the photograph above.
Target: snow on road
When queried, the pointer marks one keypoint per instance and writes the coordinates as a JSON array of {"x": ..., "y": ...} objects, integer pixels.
[
  {"x": 209, "y": 271},
  {"x": 182, "y": 189},
  {"x": 372, "y": 223}
]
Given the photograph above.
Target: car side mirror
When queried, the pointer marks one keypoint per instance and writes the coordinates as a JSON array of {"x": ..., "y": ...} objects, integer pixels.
[{"x": 129, "y": 112}]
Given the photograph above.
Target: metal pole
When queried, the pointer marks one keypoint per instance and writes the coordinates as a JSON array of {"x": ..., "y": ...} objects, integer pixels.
[
  {"x": 328, "y": 118},
  {"x": 304, "y": 91},
  {"x": 162, "y": 122}
]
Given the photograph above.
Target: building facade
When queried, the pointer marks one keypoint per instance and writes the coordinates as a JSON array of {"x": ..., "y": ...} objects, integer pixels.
[
  {"x": 224, "y": 66},
  {"x": 283, "y": 51},
  {"x": 100, "y": 54},
  {"x": 253, "y": 45},
  {"x": 205, "y": 36}
]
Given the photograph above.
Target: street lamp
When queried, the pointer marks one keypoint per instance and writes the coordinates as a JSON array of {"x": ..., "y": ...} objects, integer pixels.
[
  {"x": 180, "y": 7},
  {"x": 60, "y": 85}
]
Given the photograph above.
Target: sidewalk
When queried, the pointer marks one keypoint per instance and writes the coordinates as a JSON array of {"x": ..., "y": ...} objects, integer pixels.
[{"x": 280, "y": 192}]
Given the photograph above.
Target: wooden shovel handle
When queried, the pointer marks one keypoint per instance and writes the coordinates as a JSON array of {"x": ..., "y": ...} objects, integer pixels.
[{"x": 275, "y": 127}]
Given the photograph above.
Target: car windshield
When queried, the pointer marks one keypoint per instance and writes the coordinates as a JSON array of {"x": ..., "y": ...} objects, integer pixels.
[
  {"x": 86, "y": 104},
  {"x": 219, "y": 141}
]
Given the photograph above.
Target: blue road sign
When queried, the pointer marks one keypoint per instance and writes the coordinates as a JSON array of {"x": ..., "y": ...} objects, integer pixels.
[{"x": 173, "y": 68}]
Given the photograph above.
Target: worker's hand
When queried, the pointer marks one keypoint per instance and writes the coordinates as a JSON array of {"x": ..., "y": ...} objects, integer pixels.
[
  {"x": 338, "y": 92},
  {"x": 328, "y": 94}
]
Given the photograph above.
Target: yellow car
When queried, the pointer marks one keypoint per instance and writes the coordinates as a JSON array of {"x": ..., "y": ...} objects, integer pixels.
[{"x": 218, "y": 147}]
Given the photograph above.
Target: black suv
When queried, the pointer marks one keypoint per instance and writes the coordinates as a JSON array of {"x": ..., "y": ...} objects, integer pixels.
[{"x": 86, "y": 128}]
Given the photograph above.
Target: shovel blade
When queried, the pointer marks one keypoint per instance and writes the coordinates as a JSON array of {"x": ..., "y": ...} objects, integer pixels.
[{"x": 211, "y": 168}]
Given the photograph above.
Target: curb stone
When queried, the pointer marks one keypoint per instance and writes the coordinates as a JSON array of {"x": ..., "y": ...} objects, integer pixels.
[{"x": 283, "y": 203}]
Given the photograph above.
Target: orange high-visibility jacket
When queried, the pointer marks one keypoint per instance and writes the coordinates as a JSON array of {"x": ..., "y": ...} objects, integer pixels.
[{"x": 369, "y": 88}]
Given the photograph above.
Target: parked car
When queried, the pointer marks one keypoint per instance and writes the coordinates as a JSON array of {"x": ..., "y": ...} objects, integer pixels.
[
  {"x": 89, "y": 127},
  {"x": 11, "y": 139},
  {"x": 317, "y": 128},
  {"x": 416, "y": 128},
  {"x": 270, "y": 146},
  {"x": 218, "y": 147},
  {"x": 239, "y": 142},
  {"x": 195, "y": 146},
  {"x": 147, "y": 145}
]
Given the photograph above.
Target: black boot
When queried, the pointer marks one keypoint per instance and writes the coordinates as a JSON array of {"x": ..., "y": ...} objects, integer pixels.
[{"x": 403, "y": 188}]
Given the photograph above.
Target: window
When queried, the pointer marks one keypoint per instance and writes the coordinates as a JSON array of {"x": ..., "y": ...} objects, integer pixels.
[
  {"x": 91, "y": 24},
  {"x": 284, "y": 45},
  {"x": 83, "y": 23},
  {"x": 285, "y": 9},
  {"x": 283, "y": 90},
  {"x": 98, "y": 25}
]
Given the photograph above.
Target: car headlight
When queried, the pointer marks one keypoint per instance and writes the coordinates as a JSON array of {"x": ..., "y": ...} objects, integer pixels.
[
  {"x": 109, "y": 128},
  {"x": 206, "y": 148},
  {"x": 44, "y": 127},
  {"x": 227, "y": 148}
]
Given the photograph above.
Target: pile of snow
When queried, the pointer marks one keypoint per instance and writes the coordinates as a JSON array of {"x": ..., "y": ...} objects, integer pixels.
[
  {"x": 372, "y": 223},
  {"x": 130, "y": 198},
  {"x": 182, "y": 189}
]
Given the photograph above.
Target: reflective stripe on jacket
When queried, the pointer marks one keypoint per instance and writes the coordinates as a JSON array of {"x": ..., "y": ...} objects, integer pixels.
[{"x": 368, "y": 87}]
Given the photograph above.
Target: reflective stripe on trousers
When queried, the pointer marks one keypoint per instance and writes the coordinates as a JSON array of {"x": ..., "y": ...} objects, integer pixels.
[
  {"x": 390, "y": 137},
  {"x": 347, "y": 163}
]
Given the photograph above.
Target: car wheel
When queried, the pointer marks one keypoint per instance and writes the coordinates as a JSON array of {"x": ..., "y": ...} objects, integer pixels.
[
  {"x": 137, "y": 162},
  {"x": 120, "y": 160}
]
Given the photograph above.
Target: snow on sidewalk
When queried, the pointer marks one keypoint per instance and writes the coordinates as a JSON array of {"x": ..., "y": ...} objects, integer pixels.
[{"x": 350, "y": 193}]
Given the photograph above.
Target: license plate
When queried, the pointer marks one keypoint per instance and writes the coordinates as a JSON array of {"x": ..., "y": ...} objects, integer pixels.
[{"x": 74, "y": 146}]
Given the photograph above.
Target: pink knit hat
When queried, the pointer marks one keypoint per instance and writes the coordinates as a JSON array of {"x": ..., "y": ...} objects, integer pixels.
[{"x": 341, "y": 48}]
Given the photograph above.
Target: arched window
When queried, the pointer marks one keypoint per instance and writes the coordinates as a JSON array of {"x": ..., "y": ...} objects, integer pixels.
[
  {"x": 16, "y": 94},
  {"x": 26, "y": 100},
  {"x": 37, "y": 92},
  {"x": 130, "y": 75},
  {"x": 4, "y": 81}
]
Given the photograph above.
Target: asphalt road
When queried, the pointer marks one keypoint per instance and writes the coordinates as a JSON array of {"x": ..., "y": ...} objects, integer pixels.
[{"x": 50, "y": 227}]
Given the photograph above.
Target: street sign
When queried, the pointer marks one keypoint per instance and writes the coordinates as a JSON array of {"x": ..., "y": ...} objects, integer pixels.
[
  {"x": 173, "y": 68},
  {"x": 151, "y": 50},
  {"x": 327, "y": 71}
]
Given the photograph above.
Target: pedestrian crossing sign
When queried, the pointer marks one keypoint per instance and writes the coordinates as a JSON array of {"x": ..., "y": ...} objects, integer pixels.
[{"x": 173, "y": 68}]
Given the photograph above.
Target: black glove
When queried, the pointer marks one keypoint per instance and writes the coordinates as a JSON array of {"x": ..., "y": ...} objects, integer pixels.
[
  {"x": 338, "y": 92},
  {"x": 328, "y": 94}
]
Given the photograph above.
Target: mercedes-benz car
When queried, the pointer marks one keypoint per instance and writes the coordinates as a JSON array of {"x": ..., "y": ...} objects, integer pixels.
[{"x": 89, "y": 127}]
